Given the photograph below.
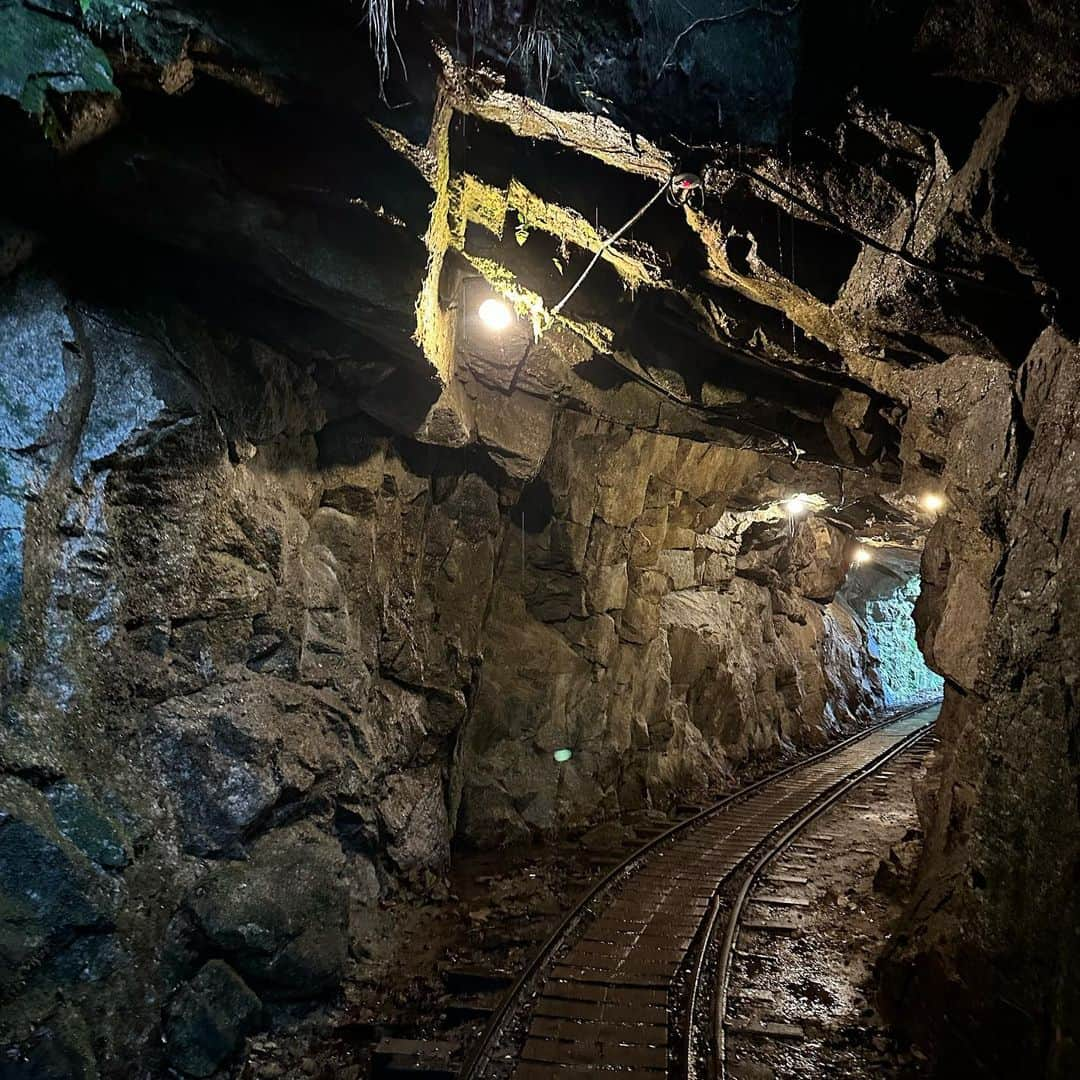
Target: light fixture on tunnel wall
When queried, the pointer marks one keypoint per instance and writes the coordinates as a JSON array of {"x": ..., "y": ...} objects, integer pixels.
[
  {"x": 495, "y": 314},
  {"x": 796, "y": 506},
  {"x": 860, "y": 555},
  {"x": 564, "y": 753},
  {"x": 932, "y": 502}
]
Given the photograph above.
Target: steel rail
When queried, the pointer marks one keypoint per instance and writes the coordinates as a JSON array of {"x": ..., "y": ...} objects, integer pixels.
[
  {"x": 778, "y": 846},
  {"x": 481, "y": 1053},
  {"x": 695, "y": 985}
]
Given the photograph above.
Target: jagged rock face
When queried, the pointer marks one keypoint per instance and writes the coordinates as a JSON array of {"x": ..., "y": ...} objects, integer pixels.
[
  {"x": 992, "y": 930},
  {"x": 650, "y": 627},
  {"x": 241, "y": 653},
  {"x": 883, "y": 592},
  {"x": 298, "y": 559},
  {"x": 262, "y": 668}
]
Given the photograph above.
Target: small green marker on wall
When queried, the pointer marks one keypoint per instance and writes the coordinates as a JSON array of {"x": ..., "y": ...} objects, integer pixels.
[{"x": 563, "y": 754}]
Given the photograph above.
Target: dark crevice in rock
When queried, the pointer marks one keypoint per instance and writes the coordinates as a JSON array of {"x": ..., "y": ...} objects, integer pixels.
[{"x": 810, "y": 255}]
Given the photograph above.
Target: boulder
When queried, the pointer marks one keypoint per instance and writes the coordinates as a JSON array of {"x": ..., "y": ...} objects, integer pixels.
[
  {"x": 226, "y": 755},
  {"x": 413, "y": 818},
  {"x": 50, "y": 894},
  {"x": 84, "y": 823},
  {"x": 281, "y": 915},
  {"x": 208, "y": 1019}
]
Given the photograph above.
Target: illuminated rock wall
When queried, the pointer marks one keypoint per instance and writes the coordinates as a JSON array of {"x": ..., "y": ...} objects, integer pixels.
[{"x": 245, "y": 642}]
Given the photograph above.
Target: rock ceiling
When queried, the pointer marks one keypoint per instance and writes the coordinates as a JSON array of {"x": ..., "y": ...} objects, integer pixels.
[{"x": 794, "y": 310}]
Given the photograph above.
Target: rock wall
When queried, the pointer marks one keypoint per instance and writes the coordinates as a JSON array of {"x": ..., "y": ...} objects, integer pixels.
[
  {"x": 242, "y": 628},
  {"x": 985, "y": 968},
  {"x": 243, "y": 648},
  {"x": 905, "y": 677},
  {"x": 263, "y": 661},
  {"x": 883, "y": 594},
  {"x": 651, "y": 627}
]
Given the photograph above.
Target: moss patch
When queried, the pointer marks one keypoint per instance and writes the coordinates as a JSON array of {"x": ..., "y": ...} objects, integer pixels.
[
  {"x": 39, "y": 53},
  {"x": 435, "y": 326}
]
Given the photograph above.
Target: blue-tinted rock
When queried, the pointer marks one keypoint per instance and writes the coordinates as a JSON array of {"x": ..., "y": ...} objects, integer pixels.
[
  {"x": 36, "y": 875},
  {"x": 125, "y": 399},
  {"x": 209, "y": 1018},
  {"x": 61, "y": 1051},
  {"x": 33, "y": 382},
  {"x": 39, "y": 53},
  {"x": 904, "y": 674},
  {"x": 22, "y": 937},
  {"x": 89, "y": 958},
  {"x": 82, "y": 822}
]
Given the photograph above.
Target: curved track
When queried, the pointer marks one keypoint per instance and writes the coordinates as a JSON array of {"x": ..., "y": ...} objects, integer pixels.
[
  {"x": 616, "y": 989},
  {"x": 776, "y": 849},
  {"x": 781, "y": 880}
]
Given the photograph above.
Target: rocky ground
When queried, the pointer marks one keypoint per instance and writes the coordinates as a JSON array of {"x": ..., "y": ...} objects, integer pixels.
[{"x": 419, "y": 955}]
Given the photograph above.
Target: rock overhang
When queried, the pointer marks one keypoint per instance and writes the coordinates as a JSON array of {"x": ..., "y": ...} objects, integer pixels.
[
  {"x": 707, "y": 311},
  {"x": 803, "y": 310}
]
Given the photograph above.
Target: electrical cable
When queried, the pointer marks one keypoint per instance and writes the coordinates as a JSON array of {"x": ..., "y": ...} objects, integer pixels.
[{"x": 607, "y": 243}]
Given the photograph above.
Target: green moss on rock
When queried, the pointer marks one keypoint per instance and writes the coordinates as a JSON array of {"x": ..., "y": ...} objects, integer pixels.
[{"x": 39, "y": 53}]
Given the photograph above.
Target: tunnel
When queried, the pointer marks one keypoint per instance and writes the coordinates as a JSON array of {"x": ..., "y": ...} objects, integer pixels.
[{"x": 536, "y": 540}]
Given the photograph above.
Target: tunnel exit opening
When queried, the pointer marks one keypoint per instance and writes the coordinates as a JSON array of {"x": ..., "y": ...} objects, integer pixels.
[{"x": 881, "y": 592}]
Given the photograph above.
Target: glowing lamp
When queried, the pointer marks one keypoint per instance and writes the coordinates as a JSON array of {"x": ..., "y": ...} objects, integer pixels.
[
  {"x": 933, "y": 502},
  {"x": 494, "y": 314},
  {"x": 563, "y": 754},
  {"x": 860, "y": 555},
  {"x": 796, "y": 506}
]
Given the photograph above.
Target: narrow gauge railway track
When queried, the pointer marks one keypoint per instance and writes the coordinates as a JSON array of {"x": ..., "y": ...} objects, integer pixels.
[
  {"x": 599, "y": 998},
  {"x": 772, "y": 864}
]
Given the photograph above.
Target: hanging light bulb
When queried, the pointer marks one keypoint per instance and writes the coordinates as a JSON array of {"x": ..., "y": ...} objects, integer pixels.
[
  {"x": 796, "y": 506},
  {"x": 495, "y": 314},
  {"x": 932, "y": 502}
]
